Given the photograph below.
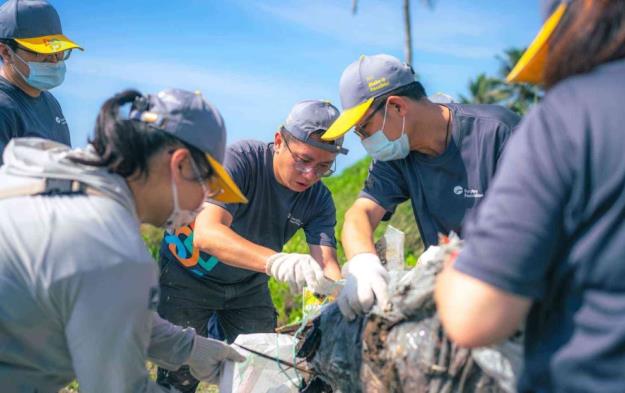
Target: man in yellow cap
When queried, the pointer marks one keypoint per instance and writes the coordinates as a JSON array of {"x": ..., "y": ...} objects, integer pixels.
[
  {"x": 441, "y": 157},
  {"x": 33, "y": 50}
]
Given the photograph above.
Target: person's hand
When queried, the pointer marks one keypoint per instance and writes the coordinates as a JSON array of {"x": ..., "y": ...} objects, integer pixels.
[
  {"x": 431, "y": 254},
  {"x": 207, "y": 357},
  {"x": 298, "y": 270},
  {"x": 366, "y": 281}
]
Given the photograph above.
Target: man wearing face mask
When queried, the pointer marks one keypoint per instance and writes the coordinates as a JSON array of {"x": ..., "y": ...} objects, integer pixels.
[
  {"x": 33, "y": 50},
  {"x": 440, "y": 156},
  {"x": 219, "y": 267}
]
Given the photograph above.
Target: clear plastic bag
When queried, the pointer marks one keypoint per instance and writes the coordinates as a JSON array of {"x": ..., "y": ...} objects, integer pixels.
[
  {"x": 257, "y": 374},
  {"x": 390, "y": 248}
]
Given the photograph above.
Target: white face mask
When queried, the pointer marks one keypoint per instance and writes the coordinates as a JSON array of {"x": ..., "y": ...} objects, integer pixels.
[
  {"x": 42, "y": 76},
  {"x": 381, "y": 148},
  {"x": 180, "y": 217}
]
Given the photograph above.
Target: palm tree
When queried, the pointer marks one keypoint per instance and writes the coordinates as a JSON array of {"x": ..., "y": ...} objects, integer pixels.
[
  {"x": 485, "y": 90},
  {"x": 407, "y": 25},
  {"x": 518, "y": 97}
]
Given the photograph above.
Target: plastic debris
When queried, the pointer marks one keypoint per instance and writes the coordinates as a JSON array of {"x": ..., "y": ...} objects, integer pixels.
[
  {"x": 258, "y": 374},
  {"x": 403, "y": 348}
]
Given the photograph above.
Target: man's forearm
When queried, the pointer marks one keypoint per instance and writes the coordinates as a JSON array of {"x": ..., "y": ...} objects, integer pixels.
[
  {"x": 357, "y": 235},
  {"x": 231, "y": 248},
  {"x": 326, "y": 256}
]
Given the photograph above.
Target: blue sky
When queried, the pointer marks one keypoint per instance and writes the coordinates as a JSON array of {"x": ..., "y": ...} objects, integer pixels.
[{"x": 255, "y": 59}]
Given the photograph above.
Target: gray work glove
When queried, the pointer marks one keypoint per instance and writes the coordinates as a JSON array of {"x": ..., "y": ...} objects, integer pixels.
[
  {"x": 207, "y": 357},
  {"x": 298, "y": 270},
  {"x": 366, "y": 281}
]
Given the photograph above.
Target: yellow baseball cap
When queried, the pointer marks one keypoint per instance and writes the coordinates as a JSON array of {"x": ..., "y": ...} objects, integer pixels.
[
  {"x": 530, "y": 67},
  {"x": 35, "y": 25}
]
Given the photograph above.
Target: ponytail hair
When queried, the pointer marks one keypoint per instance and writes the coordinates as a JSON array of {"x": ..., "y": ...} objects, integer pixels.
[{"x": 125, "y": 146}]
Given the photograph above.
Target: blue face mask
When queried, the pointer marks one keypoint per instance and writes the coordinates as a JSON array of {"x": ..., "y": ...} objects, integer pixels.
[
  {"x": 43, "y": 76},
  {"x": 381, "y": 148}
]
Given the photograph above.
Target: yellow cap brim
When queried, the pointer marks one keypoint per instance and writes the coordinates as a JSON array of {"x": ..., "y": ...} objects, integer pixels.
[
  {"x": 346, "y": 120},
  {"x": 230, "y": 191},
  {"x": 530, "y": 67},
  {"x": 48, "y": 44}
]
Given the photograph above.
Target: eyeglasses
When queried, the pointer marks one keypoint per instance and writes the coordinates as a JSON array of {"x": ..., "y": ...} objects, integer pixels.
[
  {"x": 302, "y": 165},
  {"x": 359, "y": 128},
  {"x": 48, "y": 57},
  {"x": 214, "y": 188},
  {"x": 204, "y": 176}
]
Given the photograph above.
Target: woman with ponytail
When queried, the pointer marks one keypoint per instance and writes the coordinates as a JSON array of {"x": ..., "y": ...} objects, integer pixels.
[
  {"x": 79, "y": 289},
  {"x": 547, "y": 246}
]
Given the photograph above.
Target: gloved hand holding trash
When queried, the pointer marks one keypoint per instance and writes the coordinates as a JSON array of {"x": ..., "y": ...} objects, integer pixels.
[
  {"x": 366, "y": 282},
  {"x": 299, "y": 270}
]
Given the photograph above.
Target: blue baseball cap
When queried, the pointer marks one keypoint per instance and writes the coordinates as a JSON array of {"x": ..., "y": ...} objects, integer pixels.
[
  {"x": 190, "y": 118},
  {"x": 314, "y": 116},
  {"x": 364, "y": 80},
  {"x": 35, "y": 25}
]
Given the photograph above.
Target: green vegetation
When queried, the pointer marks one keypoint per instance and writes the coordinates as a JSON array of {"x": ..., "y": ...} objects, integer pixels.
[
  {"x": 345, "y": 188},
  {"x": 518, "y": 97}
]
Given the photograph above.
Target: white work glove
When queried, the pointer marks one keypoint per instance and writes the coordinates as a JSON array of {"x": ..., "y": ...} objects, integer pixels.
[
  {"x": 366, "y": 281},
  {"x": 431, "y": 254},
  {"x": 207, "y": 357},
  {"x": 298, "y": 270}
]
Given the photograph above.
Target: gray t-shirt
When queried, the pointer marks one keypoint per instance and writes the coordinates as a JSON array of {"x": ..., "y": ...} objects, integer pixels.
[
  {"x": 24, "y": 116},
  {"x": 79, "y": 289},
  {"x": 444, "y": 189},
  {"x": 272, "y": 216},
  {"x": 552, "y": 229}
]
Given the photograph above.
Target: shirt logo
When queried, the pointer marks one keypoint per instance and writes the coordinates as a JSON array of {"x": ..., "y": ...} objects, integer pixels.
[
  {"x": 53, "y": 43},
  {"x": 60, "y": 120},
  {"x": 295, "y": 221},
  {"x": 468, "y": 192},
  {"x": 180, "y": 245}
]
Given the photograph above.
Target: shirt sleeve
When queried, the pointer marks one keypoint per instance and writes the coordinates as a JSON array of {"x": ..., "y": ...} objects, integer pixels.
[
  {"x": 319, "y": 229},
  {"x": 503, "y": 135},
  {"x": 8, "y": 129},
  {"x": 66, "y": 137},
  {"x": 240, "y": 169},
  {"x": 511, "y": 240},
  {"x": 108, "y": 329},
  {"x": 170, "y": 345},
  {"x": 385, "y": 186}
]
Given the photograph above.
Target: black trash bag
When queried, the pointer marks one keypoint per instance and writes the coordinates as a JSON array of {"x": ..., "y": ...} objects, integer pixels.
[{"x": 403, "y": 347}]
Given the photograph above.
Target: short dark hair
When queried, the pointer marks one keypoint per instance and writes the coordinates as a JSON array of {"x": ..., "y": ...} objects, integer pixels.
[
  {"x": 590, "y": 33},
  {"x": 414, "y": 91},
  {"x": 10, "y": 42},
  {"x": 125, "y": 146}
]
